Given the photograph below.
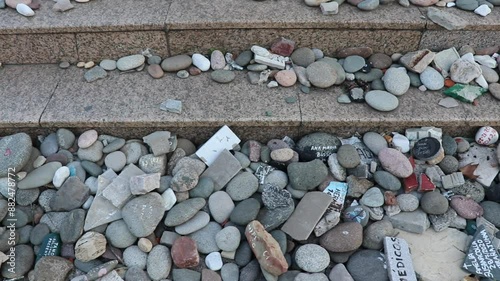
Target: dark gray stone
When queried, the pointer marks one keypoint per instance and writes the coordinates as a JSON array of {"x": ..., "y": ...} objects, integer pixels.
[
  {"x": 245, "y": 212},
  {"x": 72, "y": 227},
  {"x": 368, "y": 265},
  {"x": 16, "y": 152}
]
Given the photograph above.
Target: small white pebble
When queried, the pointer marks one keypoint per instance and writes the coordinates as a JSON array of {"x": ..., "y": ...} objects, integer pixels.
[
  {"x": 80, "y": 64},
  {"x": 350, "y": 76},
  {"x": 272, "y": 84},
  {"x": 450, "y": 4},
  {"x": 89, "y": 64},
  {"x": 483, "y": 10},
  {"x": 422, "y": 88}
]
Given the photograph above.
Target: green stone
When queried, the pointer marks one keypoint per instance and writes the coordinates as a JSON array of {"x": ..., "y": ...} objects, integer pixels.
[
  {"x": 471, "y": 227},
  {"x": 269, "y": 113},
  {"x": 305, "y": 90},
  {"x": 291, "y": 100},
  {"x": 465, "y": 93},
  {"x": 51, "y": 246}
]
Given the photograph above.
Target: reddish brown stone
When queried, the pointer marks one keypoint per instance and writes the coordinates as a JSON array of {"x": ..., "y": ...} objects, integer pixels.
[
  {"x": 487, "y": 51},
  {"x": 57, "y": 157},
  {"x": 283, "y": 47},
  {"x": 410, "y": 183},
  {"x": 365, "y": 52},
  {"x": 35, "y": 4},
  {"x": 390, "y": 198},
  {"x": 193, "y": 71},
  {"x": 209, "y": 275},
  {"x": 266, "y": 249},
  {"x": 254, "y": 147},
  {"x": 466, "y": 207},
  {"x": 425, "y": 184},
  {"x": 185, "y": 252}
]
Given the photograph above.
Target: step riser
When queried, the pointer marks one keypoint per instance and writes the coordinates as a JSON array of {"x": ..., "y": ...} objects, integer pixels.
[{"x": 53, "y": 48}]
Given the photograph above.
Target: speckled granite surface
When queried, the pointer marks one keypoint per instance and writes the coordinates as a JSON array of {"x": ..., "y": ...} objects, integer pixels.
[{"x": 44, "y": 97}]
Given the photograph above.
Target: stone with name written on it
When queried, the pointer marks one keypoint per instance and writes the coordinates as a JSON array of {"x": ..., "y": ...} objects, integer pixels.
[
  {"x": 266, "y": 249},
  {"x": 482, "y": 258},
  {"x": 51, "y": 246},
  {"x": 400, "y": 265},
  {"x": 307, "y": 214},
  {"x": 426, "y": 149},
  {"x": 317, "y": 146},
  {"x": 486, "y": 136},
  {"x": 223, "y": 139}
]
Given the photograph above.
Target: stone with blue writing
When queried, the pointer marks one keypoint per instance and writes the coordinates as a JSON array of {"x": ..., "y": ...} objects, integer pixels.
[
  {"x": 51, "y": 246},
  {"x": 482, "y": 258},
  {"x": 317, "y": 146},
  {"x": 338, "y": 191},
  {"x": 399, "y": 262}
]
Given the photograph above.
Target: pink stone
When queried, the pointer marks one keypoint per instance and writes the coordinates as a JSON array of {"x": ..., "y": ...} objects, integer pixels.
[
  {"x": 217, "y": 60},
  {"x": 87, "y": 139},
  {"x": 13, "y": 3},
  {"x": 193, "y": 71},
  {"x": 283, "y": 47},
  {"x": 185, "y": 252},
  {"x": 466, "y": 207},
  {"x": 286, "y": 78},
  {"x": 155, "y": 71},
  {"x": 254, "y": 147},
  {"x": 395, "y": 162},
  {"x": 209, "y": 275},
  {"x": 266, "y": 249}
]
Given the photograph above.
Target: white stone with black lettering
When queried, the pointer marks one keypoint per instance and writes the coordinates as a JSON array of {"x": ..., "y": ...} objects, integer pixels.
[{"x": 400, "y": 265}]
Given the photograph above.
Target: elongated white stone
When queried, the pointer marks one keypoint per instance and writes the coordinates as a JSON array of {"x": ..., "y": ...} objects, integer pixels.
[
  {"x": 24, "y": 10},
  {"x": 270, "y": 62}
]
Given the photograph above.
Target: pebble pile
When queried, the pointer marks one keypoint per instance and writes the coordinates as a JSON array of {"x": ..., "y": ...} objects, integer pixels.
[
  {"x": 27, "y": 8},
  {"x": 481, "y": 7},
  {"x": 100, "y": 207},
  {"x": 375, "y": 78}
]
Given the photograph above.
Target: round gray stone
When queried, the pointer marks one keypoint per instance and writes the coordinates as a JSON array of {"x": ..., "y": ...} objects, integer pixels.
[
  {"x": 136, "y": 274},
  {"x": 49, "y": 145},
  {"x": 130, "y": 62},
  {"x": 92, "y": 153},
  {"x": 303, "y": 57},
  {"x": 321, "y": 74},
  {"x": 307, "y": 175},
  {"x": 353, "y": 64},
  {"x": 223, "y": 76},
  {"x": 432, "y": 79},
  {"x": 434, "y": 203},
  {"x": 205, "y": 238},
  {"x": 242, "y": 158},
  {"x": 203, "y": 189},
  {"x": 24, "y": 234},
  {"x": 277, "y": 178},
  {"x": 176, "y": 63},
  {"x": 374, "y": 234},
  {"x": 348, "y": 156},
  {"x": 184, "y": 211},
  {"x": 245, "y": 212},
  {"x": 230, "y": 272},
  {"x": 114, "y": 145},
  {"x": 244, "y": 58},
  {"x": 242, "y": 186},
  {"x": 108, "y": 65},
  {"x": 338, "y": 69},
  {"x": 312, "y": 258},
  {"x": 228, "y": 239},
  {"x": 407, "y": 202},
  {"x": 396, "y": 81},
  {"x": 118, "y": 235},
  {"x": 381, "y": 100},
  {"x": 45, "y": 198},
  {"x": 220, "y": 205},
  {"x": 159, "y": 263},
  {"x": 92, "y": 168},
  {"x": 373, "y": 197},
  {"x": 133, "y": 256},
  {"x": 199, "y": 221},
  {"x": 154, "y": 60},
  {"x": 368, "y": 265},
  {"x": 368, "y": 5},
  {"x": 449, "y": 164},
  {"x": 374, "y": 141},
  {"x": 387, "y": 180}
]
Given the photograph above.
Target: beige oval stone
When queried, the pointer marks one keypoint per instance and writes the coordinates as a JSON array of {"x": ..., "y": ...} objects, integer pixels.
[
  {"x": 87, "y": 139},
  {"x": 282, "y": 154},
  {"x": 90, "y": 246},
  {"x": 145, "y": 245}
]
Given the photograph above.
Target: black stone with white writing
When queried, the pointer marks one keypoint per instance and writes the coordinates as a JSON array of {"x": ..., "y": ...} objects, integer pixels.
[
  {"x": 400, "y": 265},
  {"x": 426, "y": 148},
  {"x": 51, "y": 246},
  {"x": 317, "y": 146},
  {"x": 482, "y": 258}
]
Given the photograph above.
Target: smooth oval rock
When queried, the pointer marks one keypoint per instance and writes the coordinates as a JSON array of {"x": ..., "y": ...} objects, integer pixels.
[
  {"x": 432, "y": 79},
  {"x": 201, "y": 62},
  {"x": 374, "y": 141},
  {"x": 381, "y": 100},
  {"x": 344, "y": 237},
  {"x": 466, "y": 207},
  {"x": 434, "y": 203},
  {"x": 303, "y": 57},
  {"x": 312, "y": 258},
  {"x": 321, "y": 75},
  {"x": 16, "y": 152},
  {"x": 130, "y": 62},
  {"x": 199, "y": 221},
  {"x": 223, "y": 76},
  {"x": 395, "y": 162},
  {"x": 348, "y": 156},
  {"x": 242, "y": 186},
  {"x": 396, "y": 81},
  {"x": 176, "y": 63},
  {"x": 286, "y": 78},
  {"x": 221, "y": 205}
]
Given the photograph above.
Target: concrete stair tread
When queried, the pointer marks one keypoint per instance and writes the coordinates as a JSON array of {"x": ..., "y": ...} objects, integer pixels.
[
  {"x": 44, "y": 96},
  {"x": 97, "y": 16}
]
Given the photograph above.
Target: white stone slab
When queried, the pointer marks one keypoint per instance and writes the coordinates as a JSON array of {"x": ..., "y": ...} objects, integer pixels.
[
  {"x": 399, "y": 262},
  {"x": 223, "y": 139}
]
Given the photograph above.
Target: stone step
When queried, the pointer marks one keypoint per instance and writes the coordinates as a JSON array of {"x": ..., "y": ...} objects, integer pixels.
[
  {"x": 115, "y": 28},
  {"x": 39, "y": 98}
]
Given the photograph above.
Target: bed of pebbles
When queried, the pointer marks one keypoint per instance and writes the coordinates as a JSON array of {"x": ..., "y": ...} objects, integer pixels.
[
  {"x": 375, "y": 78},
  {"x": 100, "y": 207}
]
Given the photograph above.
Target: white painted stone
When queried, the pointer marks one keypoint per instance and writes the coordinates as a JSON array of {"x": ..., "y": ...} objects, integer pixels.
[
  {"x": 486, "y": 136},
  {"x": 401, "y": 142},
  {"x": 260, "y": 51},
  {"x": 483, "y": 10},
  {"x": 223, "y": 139},
  {"x": 437, "y": 255},
  {"x": 24, "y": 10},
  {"x": 330, "y": 8},
  {"x": 398, "y": 257},
  {"x": 169, "y": 198},
  {"x": 201, "y": 62},
  {"x": 270, "y": 62},
  {"x": 60, "y": 176}
]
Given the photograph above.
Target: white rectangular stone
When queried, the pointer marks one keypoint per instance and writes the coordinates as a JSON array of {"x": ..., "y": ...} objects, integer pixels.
[
  {"x": 270, "y": 62},
  {"x": 223, "y": 139},
  {"x": 399, "y": 263},
  {"x": 330, "y": 8}
]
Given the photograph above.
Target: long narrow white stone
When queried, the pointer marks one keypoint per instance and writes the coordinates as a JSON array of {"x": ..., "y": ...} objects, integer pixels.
[
  {"x": 270, "y": 62},
  {"x": 400, "y": 265}
]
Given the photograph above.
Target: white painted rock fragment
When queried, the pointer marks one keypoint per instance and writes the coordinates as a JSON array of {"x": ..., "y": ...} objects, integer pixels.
[
  {"x": 201, "y": 62},
  {"x": 486, "y": 135}
]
